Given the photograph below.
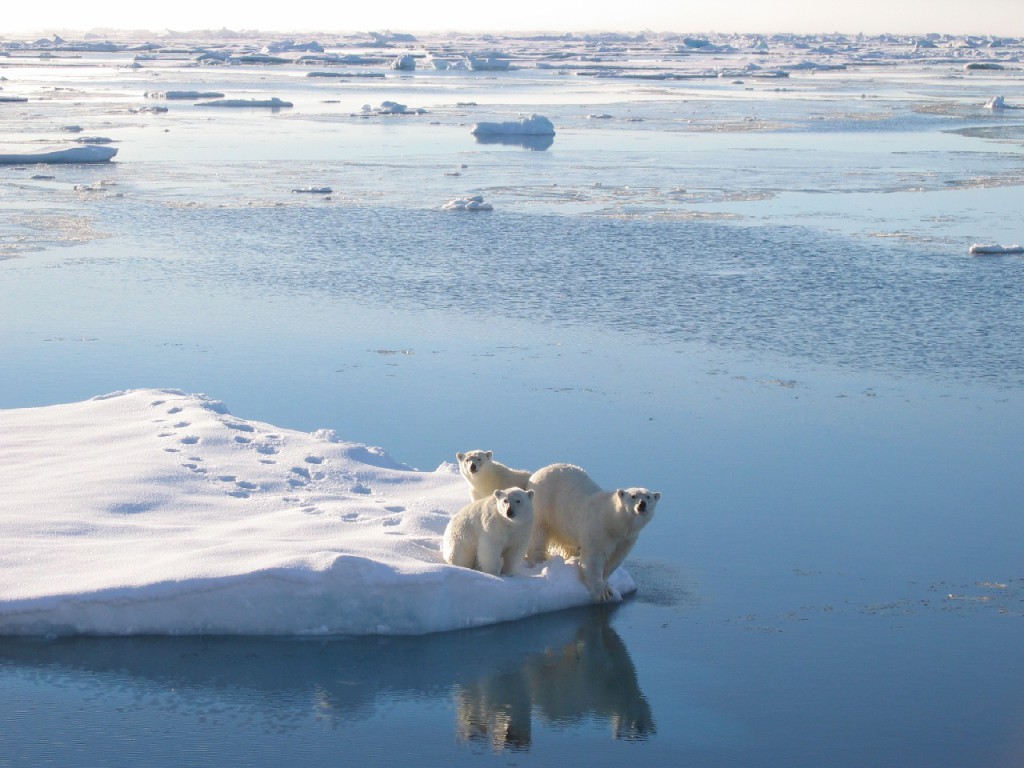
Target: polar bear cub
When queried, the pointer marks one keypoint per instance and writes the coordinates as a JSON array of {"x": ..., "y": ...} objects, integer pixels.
[
  {"x": 485, "y": 475},
  {"x": 491, "y": 534},
  {"x": 573, "y": 516}
]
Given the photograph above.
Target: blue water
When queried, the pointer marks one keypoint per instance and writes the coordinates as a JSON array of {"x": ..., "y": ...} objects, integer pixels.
[{"x": 774, "y": 329}]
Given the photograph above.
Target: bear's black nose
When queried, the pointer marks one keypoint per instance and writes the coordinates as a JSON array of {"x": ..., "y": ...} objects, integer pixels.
[
  {"x": 641, "y": 505},
  {"x": 472, "y": 467},
  {"x": 511, "y": 514}
]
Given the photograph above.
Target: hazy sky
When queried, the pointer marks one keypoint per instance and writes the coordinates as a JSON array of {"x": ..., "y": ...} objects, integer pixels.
[{"x": 997, "y": 17}]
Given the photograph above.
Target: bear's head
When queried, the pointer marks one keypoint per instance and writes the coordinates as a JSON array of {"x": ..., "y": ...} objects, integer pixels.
[
  {"x": 639, "y": 502},
  {"x": 515, "y": 504},
  {"x": 472, "y": 462}
]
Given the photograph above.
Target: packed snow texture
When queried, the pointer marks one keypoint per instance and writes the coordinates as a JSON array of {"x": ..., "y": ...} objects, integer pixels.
[{"x": 158, "y": 512}]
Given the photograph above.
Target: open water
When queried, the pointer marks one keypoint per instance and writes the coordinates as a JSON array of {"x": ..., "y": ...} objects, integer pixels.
[{"x": 752, "y": 295}]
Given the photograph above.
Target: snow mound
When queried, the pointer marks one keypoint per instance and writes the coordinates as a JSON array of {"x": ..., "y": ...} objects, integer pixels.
[
  {"x": 159, "y": 512},
  {"x": 534, "y": 125}
]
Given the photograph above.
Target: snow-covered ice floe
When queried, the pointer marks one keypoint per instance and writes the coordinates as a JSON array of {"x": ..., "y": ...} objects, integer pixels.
[
  {"x": 534, "y": 125},
  {"x": 474, "y": 203},
  {"x": 88, "y": 153},
  {"x": 993, "y": 249},
  {"x": 274, "y": 103},
  {"x": 159, "y": 512}
]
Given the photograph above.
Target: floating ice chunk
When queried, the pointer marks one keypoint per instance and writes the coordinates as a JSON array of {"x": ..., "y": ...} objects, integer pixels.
[
  {"x": 391, "y": 108},
  {"x": 489, "y": 63},
  {"x": 998, "y": 103},
  {"x": 274, "y": 103},
  {"x": 404, "y": 62},
  {"x": 131, "y": 521},
  {"x": 89, "y": 153},
  {"x": 474, "y": 203},
  {"x": 994, "y": 249},
  {"x": 314, "y": 190},
  {"x": 534, "y": 125}
]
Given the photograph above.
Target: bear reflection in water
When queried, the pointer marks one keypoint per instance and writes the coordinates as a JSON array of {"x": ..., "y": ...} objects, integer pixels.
[
  {"x": 591, "y": 677},
  {"x": 561, "y": 670}
]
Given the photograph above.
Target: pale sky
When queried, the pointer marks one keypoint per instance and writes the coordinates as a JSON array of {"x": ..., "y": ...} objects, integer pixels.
[{"x": 996, "y": 17}]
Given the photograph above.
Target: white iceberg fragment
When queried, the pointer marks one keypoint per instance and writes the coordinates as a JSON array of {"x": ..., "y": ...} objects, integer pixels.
[
  {"x": 405, "y": 62},
  {"x": 159, "y": 512},
  {"x": 994, "y": 249},
  {"x": 88, "y": 153},
  {"x": 474, "y": 203},
  {"x": 534, "y": 125},
  {"x": 314, "y": 190},
  {"x": 488, "y": 63},
  {"x": 391, "y": 108}
]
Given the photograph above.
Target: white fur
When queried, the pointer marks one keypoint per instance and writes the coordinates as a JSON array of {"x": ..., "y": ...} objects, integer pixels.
[
  {"x": 485, "y": 475},
  {"x": 573, "y": 516},
  {"x": 491, "y": 534}
]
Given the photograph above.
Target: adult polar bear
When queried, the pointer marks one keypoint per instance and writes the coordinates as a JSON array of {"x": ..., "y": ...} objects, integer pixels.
[
  {"x": 485, "y": 475},
  {"x": 573, "y": 516}
]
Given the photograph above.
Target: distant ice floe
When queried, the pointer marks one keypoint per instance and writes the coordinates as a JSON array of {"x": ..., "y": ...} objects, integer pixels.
[
  {"x": 474, "y": 203},
  {"x": 274, "y": 103},
  {"x": 405, "y": 62},
  {"x": 994, "y": 249},
  {"x": 534, "y": 125},
  {"x": 391, "y": 108},
  {"x": 494, "y": 62},
  {"x": 88, "y": 153},
  {"x": 314, "y": 190},
  {"x": 997, "y": 103},
  {"x": 534, "y": 132},
  {"x": 184, "y": 95}
]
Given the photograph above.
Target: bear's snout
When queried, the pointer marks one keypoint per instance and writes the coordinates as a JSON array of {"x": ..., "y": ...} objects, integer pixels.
[
  {"x": 641, "y": 506},
  {"x": 472, "y": 467},
  {"x": 511, "y": 513}
]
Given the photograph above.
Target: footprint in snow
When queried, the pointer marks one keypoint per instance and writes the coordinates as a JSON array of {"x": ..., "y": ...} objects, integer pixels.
[
  {"x": 175, "y": 409},
  {"x": 360, "y": 488},
  {"x": 350, "y": 517},
  {"x": 239, "y": 426},
  {"x": 314, "y": 459},
  {"x": 190, "y": 440},
  {"x": 242, "y": 440}
]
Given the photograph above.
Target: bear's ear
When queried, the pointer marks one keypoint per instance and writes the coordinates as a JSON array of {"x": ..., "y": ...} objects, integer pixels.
[
  {"x": 530, "y": 493},
  {"x": 622, "y": 493},
  {"x": 499, "y": 494},
  {"x": 657, "y": 495},
  {"x": 460, "y": 456},
  {"x": 488, "y": 454}
]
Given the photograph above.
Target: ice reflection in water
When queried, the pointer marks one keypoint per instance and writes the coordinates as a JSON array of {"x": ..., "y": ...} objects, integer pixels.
[{"x": 563, "y": 671}]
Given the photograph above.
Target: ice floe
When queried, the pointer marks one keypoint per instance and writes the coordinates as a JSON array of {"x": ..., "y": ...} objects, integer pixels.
[
  {"x": 473, "y": 203},
  {"x": 534, "y": 125},
  {"x": 87, "y": 153},
  {"x": 994, "y": 249},
  {"x": 159, "y": 512},
  {"x": 274, "y": 103}
]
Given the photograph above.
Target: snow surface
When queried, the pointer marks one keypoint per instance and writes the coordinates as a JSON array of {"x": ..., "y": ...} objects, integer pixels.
[
  {"x": 158, "y": 512},
  {"x": 89, "y": 153}
]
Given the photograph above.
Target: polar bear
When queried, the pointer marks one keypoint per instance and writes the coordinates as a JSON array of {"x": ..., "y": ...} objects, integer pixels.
[
  {"x": 485, "y": 475},
  {"x": 573, "y": 516},
  {"x": 491, "y": 534}
]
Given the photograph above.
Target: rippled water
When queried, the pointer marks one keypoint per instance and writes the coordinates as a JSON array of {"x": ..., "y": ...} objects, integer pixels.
[{"x": 778, "y": 289}]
